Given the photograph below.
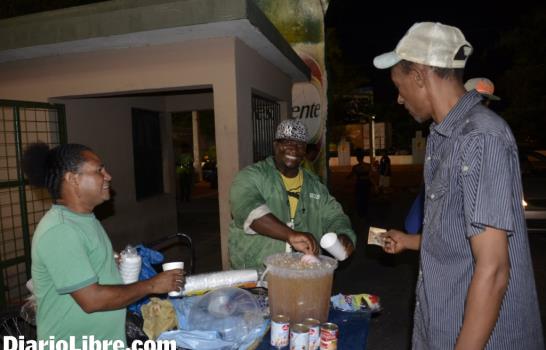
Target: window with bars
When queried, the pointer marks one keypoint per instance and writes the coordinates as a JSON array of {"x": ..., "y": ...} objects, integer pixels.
[
  {"x": 266, "y": 115},
  {"x": 21, "y": 206}
]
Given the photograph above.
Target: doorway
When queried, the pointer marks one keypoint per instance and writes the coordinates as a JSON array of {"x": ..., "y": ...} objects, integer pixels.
[{"x": 197, "y": 185}]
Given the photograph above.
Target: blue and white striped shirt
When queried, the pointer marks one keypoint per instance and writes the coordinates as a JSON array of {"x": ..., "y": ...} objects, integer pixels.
[{"x": 472, "y": 180}]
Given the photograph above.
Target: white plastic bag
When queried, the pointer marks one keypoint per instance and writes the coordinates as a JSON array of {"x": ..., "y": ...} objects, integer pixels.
[
  {"x": 28, "y": 310},
  {"x": 129, "y": 264}
]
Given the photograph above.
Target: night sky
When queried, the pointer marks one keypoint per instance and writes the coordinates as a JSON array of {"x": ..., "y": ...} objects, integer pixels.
[
  {"x": 368, "y": 28},
  {"x": 365, "y": 31}
]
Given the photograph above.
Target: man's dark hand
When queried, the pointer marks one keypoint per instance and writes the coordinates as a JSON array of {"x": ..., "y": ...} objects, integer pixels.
[
  {"x": 347, "y": 243},
  {"x": 303, "y": 242}
]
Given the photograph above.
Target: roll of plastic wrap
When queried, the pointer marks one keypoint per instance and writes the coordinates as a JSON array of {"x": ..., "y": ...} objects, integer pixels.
[{"x": 199, "y": 284}]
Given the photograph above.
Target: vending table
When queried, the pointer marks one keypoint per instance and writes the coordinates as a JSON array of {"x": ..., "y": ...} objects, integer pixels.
[{"x": 353, "y": 330}]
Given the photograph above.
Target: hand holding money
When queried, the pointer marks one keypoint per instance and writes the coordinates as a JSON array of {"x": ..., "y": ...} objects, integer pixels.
[
  {"x": 376, "y": 236},
  {"x": 398, "y": 241}
]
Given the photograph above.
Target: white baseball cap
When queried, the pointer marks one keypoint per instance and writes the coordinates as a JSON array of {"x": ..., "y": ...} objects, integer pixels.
[
  {"x": 431, "y": 44},
  {"x": 484, "y": 86}
]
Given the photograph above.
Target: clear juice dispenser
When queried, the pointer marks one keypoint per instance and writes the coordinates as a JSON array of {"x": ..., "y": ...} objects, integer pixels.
[{"x": 299, "y": 290}]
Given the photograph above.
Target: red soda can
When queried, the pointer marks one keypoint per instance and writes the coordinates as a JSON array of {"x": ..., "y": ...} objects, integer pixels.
[
  {"x": 328, "y": 336},
  {"x": 314, "y": 332},
  {"x": 280, "y": 331}
]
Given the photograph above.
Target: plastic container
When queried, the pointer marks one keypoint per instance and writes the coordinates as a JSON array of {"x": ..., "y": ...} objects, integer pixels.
[
  {"x": 129, "y": 265},
  {"x": 299, "y": 290},
  {"x": 232, "y": 312}
]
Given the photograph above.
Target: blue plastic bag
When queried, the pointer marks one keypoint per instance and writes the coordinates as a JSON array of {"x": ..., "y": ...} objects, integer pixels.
[
  {"x": 147, "y": 271},
  {"x": 353, "y": 328},
  {"x": 203, "y": 340},
  {"x": 414, "y": 220}
]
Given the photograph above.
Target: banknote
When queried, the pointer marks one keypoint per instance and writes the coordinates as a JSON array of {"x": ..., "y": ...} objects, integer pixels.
[{"x": 375, "y": 236}]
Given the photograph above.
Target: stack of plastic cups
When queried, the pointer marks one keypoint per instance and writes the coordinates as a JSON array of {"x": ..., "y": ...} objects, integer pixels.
[{"x": 129, "y": 267}]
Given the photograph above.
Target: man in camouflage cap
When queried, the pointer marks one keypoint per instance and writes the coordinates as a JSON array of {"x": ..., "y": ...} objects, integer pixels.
[{"x": 277, "y": 206}]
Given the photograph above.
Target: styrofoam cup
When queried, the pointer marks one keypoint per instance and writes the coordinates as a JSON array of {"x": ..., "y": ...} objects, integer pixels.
[
  {"x": 332, "y": 244},
  {"x": 173, "y": 266}
]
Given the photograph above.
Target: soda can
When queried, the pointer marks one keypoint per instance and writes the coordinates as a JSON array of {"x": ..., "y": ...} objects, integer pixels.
[
  {"x": 328, "y": 336},
  {"x": 280, "y": 331},
  {"x": 299, "y": 337},
  {"x": 314, "y": 332}
]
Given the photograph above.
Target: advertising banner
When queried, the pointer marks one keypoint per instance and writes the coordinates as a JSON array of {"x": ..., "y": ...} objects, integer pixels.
[{"x": 301, "y": 22}]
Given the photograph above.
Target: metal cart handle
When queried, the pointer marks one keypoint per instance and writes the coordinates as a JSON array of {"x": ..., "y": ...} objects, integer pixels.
[{"x": 180, "y": 238}]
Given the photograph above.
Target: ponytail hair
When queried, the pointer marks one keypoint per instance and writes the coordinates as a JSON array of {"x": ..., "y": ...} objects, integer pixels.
[{"x": 46, "y": 167}]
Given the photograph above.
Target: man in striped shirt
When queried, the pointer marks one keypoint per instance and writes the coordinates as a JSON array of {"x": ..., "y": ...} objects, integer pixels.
[{"x": 476, "y": 287}]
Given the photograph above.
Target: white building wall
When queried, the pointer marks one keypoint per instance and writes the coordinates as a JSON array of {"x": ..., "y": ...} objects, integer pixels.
[
  {"x": 105, "y": 125},
  {"x": 262, "y": 79},
  {"x": 228, "y": 65},
  {"x": 252, "y": 74}
]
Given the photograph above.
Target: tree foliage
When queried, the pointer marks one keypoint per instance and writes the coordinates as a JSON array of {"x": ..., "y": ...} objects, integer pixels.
[
  {"x": 343, "y": 78},
  {"x": 521, "y": 85}
]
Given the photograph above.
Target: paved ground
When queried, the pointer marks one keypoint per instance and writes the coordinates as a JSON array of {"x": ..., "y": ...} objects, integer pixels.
[{"x": 369, "y": 270}]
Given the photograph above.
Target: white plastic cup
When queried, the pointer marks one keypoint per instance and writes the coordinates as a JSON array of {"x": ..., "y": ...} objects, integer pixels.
[
  {"x": 174, "y": 266},
  {"x": 332, "y": 244}
]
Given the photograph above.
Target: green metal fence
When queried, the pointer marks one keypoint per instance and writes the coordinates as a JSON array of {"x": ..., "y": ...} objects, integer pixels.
[{"x": 22, "y": 206}]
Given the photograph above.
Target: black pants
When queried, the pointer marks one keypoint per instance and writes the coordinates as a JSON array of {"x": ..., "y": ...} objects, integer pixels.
[{"x": 186, "y": 182}]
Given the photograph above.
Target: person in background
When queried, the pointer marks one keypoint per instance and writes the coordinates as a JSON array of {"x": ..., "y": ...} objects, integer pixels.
[
  {"x": 276, "y": 205},
  {"x": 75, "y": 277},
  {"x": 210, "y": 171},
  {"x": 375, "y": 176},
  {"x": 485, "y": 87},
  {"x": 344, "y": 152},
  {"x": 185, "y": 172},
  {"x": 475, "y": 286},
  {"x": 384, "y": 172},
  {"x": 361, "y": 172}
]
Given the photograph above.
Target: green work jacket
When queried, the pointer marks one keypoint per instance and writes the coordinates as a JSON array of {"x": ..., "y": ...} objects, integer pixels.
[{"x": 260, "y": 184}]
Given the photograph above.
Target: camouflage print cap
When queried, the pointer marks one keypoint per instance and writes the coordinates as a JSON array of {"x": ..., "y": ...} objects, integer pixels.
[{"x": 291, "y": 129}]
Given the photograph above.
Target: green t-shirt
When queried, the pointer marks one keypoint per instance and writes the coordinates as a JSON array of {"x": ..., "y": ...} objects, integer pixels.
[{"x": 71, "y": 251}]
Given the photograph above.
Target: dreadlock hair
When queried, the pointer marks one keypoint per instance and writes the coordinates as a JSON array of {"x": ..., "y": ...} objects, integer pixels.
[{"x": 46, "y": 167}]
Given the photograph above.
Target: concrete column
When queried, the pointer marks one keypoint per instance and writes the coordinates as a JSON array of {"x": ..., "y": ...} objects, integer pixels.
[
  {"x": 196, "y": 153},
  {"x": 227, "y": 152}
]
